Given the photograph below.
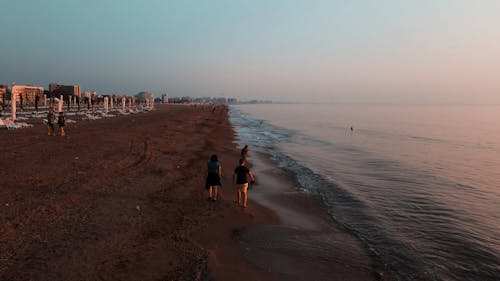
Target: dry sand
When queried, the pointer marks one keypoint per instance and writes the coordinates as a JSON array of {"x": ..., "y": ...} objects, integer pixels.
[{"x": 123, "y": 199}]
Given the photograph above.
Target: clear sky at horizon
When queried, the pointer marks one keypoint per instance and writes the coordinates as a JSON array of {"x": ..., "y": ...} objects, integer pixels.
[{"x": 425, "y": 52}]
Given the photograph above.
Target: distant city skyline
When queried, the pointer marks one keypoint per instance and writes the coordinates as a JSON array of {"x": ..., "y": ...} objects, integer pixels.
[{"x": 388, "y": 51}]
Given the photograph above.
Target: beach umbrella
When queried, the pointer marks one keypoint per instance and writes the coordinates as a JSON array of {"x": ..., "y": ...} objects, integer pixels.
[
  {"x": 60, "y": 103},
  {"x": 13, "y": 106}
]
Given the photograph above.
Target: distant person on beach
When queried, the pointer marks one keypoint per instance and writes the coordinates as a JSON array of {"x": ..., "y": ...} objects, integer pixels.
[
  {"x": 214, "y": 176},
  {"x": 50, "y": 122},
  {"x": 240, "y": 179},
  {"x": 352, "y": 129},
  {"x": 244, "y": 152},
  {"x": 61, "y": 121}
]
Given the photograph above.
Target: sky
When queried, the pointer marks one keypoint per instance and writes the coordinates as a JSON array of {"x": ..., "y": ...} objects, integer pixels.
[{"x": 384, "y": 51}]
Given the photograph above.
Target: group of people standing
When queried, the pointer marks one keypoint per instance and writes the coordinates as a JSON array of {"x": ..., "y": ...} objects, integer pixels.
[
  {"x": 61, "y": 122},
  {"x": 242, "y": 177}
]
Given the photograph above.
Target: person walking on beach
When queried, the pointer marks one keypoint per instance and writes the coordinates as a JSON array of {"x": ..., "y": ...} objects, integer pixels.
[
  {"x": 214, "y": 176},
  {"x": 61, "y": 121},
  {"x": 240, "y": 179},
  {"x": 244, "y": 152},
  {"x": 50, "y": 122}
]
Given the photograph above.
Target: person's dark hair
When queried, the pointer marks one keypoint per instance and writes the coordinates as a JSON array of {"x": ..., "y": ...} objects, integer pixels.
[
  {"x": 213, "y": 158},
  {"x": 242, "y": 161}
]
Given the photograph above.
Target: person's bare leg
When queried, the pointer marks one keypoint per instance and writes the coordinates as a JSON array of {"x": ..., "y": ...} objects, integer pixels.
[
  {"x": 210, "y": 193},
  {"x": 238, "y": 197},
  {"x": 215, "y": 193},
  {"x": 244, "y": 199}
]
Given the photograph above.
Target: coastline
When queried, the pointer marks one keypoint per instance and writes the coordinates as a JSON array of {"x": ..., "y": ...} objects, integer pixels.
[
  {"x": 306, "y": 244},
  {"x": 284, "y": 234},
  {"x": 123, "y": 198}
]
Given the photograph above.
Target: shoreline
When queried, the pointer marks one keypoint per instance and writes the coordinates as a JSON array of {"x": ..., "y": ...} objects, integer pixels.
[
  {"x": 124, "y": 198},
  {"x": 307, "y": 243},
  {"x": 289, "y": 234}
]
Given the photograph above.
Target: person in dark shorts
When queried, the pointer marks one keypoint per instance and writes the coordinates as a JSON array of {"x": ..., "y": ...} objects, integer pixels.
[
  {"x": 214, "y": 175},
  {"x": 240, "y": 179},
  {"x": 61, "y": 121},
  {"x": 50, "y": 122}
]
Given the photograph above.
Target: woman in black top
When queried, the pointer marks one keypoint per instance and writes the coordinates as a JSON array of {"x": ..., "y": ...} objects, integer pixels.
[{"x": 240, "y": 179}]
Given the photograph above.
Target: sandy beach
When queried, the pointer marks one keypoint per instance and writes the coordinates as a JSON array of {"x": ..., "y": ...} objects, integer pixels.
[{"x": 123, "y": 198}]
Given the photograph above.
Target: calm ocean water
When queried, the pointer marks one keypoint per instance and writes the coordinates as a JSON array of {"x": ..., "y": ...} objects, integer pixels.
[{"x": 419, "y": 185}]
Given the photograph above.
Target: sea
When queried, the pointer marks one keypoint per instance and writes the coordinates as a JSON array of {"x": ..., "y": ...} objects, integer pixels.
[{"x": 418, "y": 185}]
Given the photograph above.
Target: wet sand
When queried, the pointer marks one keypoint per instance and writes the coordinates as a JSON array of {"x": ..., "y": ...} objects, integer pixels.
[
  {"x": 307, "y": 244},
  {"x": 123, "y": 198}
]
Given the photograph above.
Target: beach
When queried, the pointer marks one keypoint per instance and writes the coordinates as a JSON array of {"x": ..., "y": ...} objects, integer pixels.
[{"x": 123, "y": 198}]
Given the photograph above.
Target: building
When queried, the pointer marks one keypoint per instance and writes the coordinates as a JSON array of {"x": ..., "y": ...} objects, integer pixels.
[
  {"x": 142, "y": 96},
  {"x": 56, "y": 90}
]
